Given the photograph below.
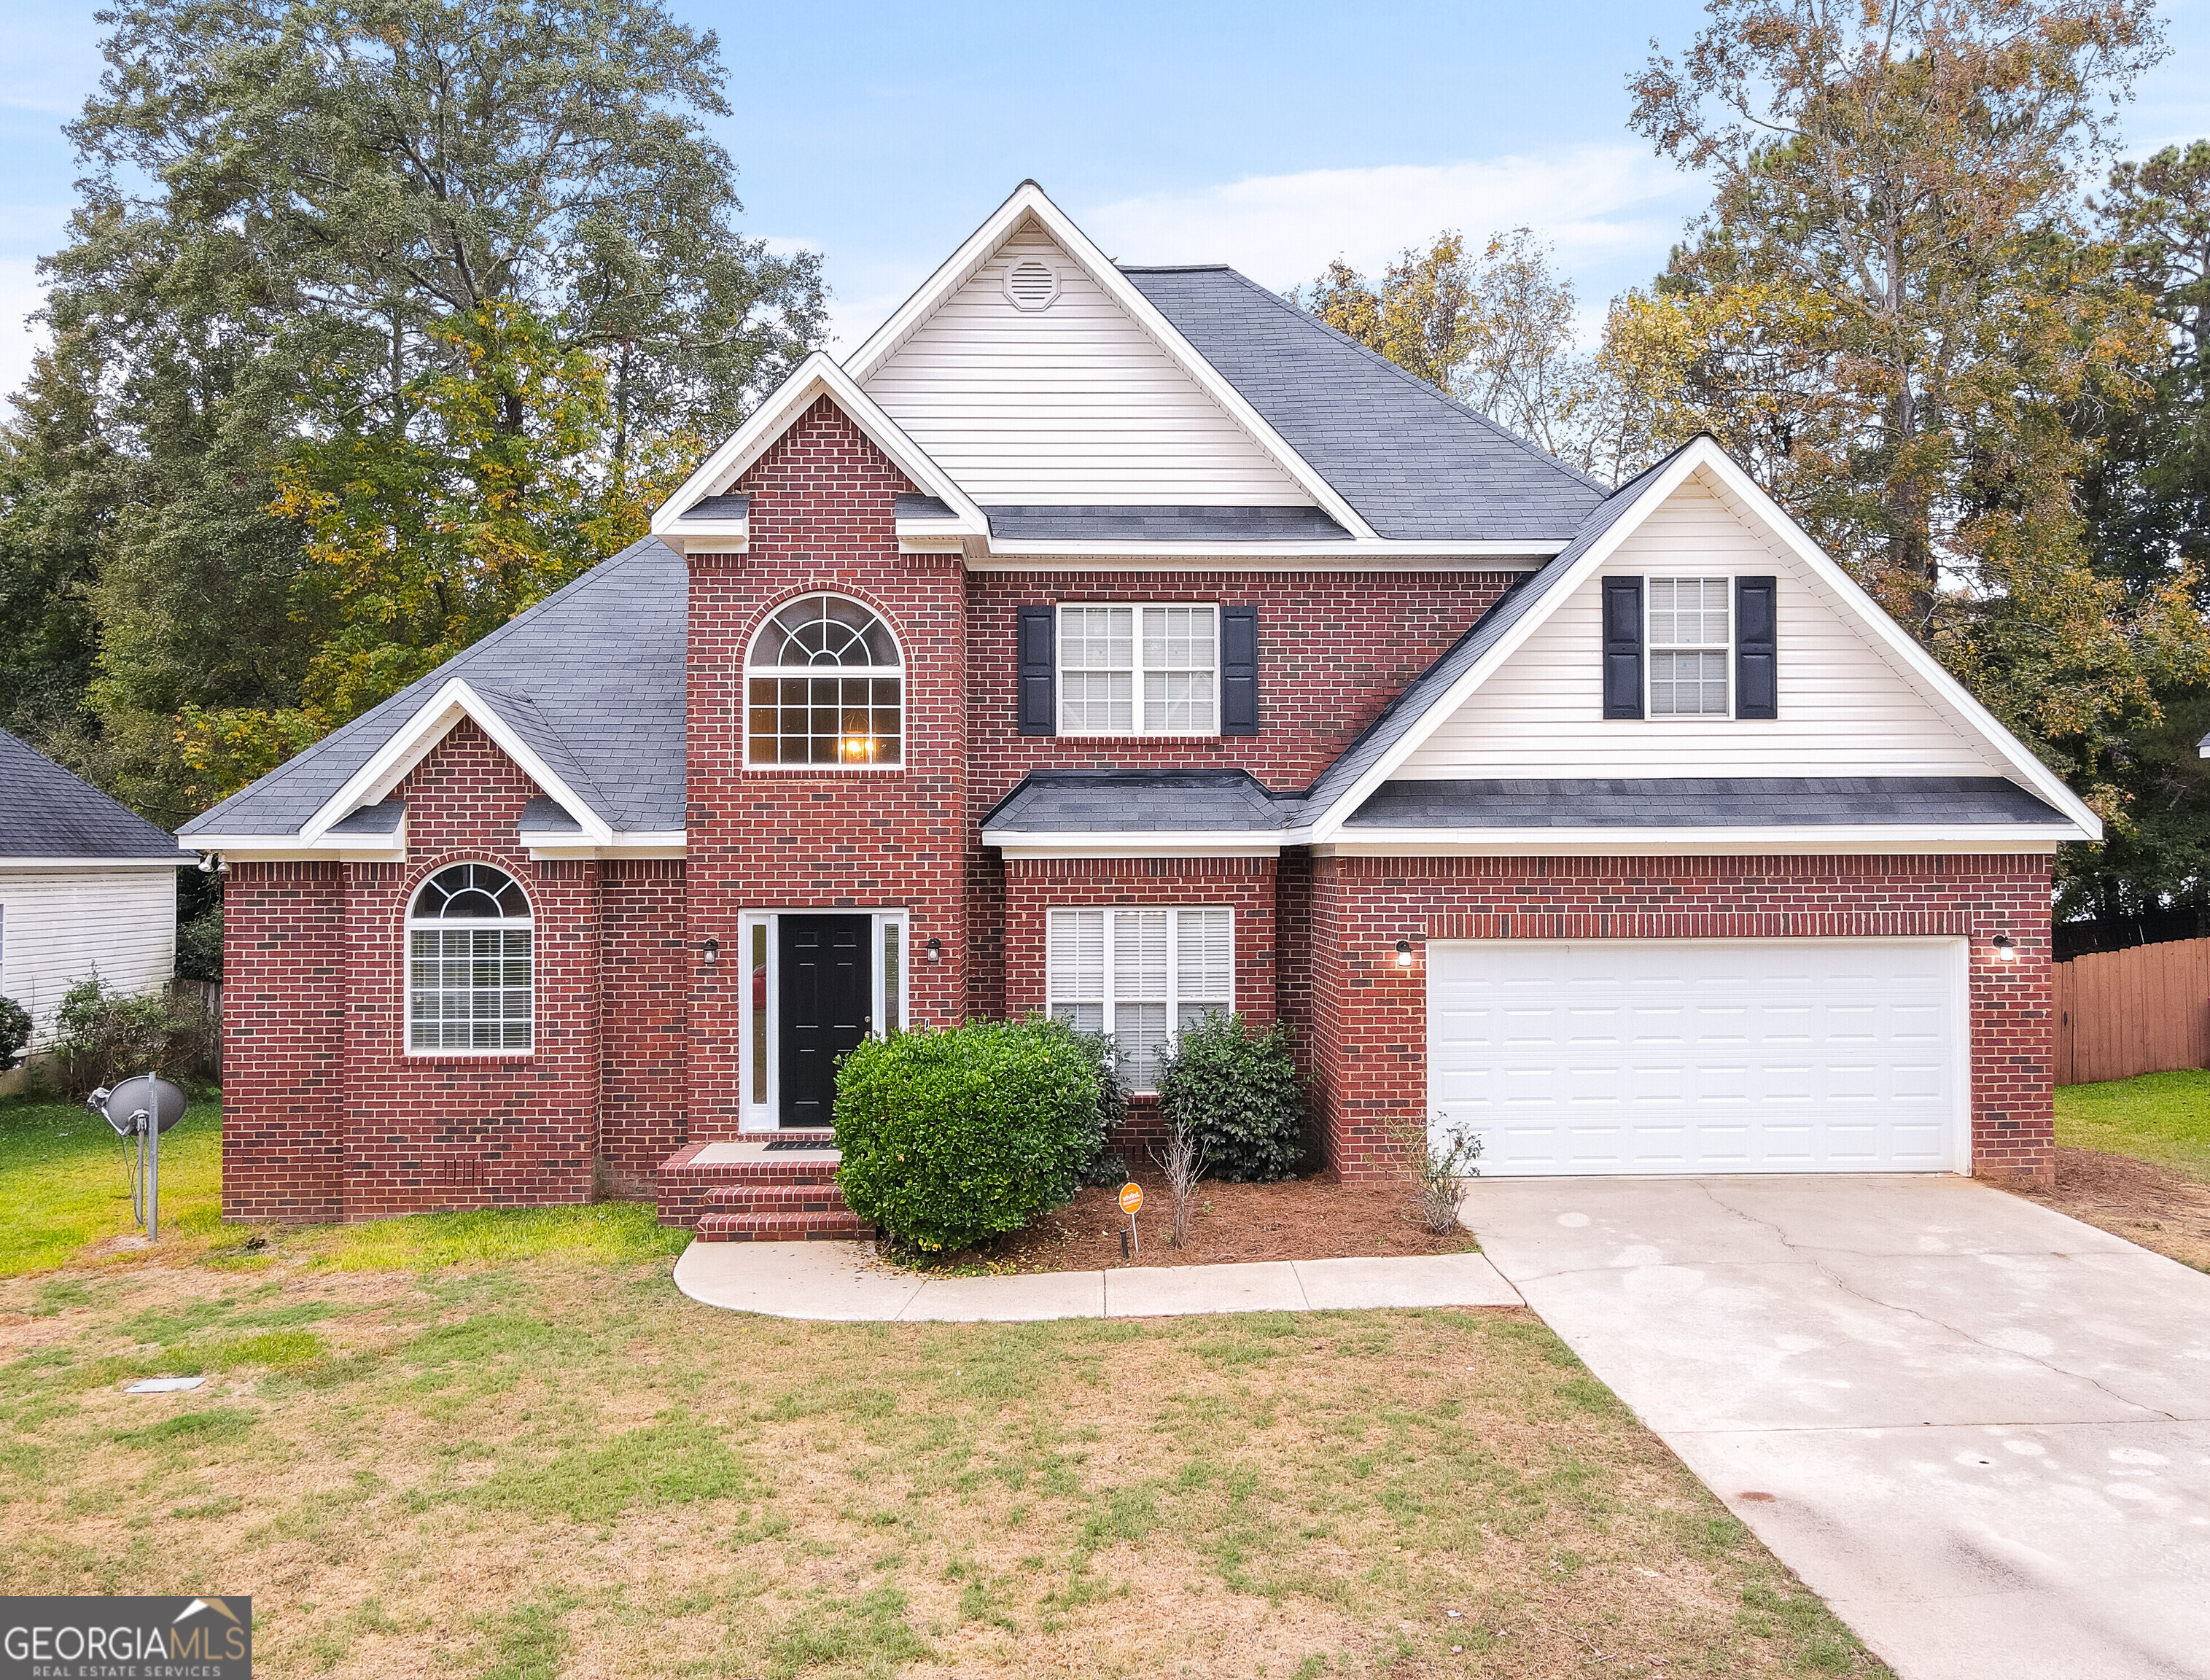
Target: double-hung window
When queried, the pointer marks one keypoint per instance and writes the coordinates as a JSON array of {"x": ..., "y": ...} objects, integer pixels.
[
  {"x": 1690, "y": 641},
  {"x": 1138, "y": 974},
  {"x": 468, "y": 960},
  {"x": 1139, "y": 670}
]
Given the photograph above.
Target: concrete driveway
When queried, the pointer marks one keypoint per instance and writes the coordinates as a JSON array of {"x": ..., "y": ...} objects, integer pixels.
[{"x": 1979, "y": 1429}]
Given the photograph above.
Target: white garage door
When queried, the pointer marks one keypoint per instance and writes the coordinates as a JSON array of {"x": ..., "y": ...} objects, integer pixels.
[{"x": 1701, "y": 1055}]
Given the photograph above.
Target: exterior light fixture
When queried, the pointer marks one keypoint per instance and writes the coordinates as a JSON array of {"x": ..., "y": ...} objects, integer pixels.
[
  {"x": 1403, "y": 953},
  {"x": 214, "y": 863},
  {"x": 2006, "y": 948},
  {"x": 935, "y": 949},
  {"x": 713, "y": 950}
]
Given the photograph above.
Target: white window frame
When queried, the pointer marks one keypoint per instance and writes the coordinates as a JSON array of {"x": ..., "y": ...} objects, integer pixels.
[
  {"x": 1136, "y": 671},
  {"x": 410, "y": 925},
  {"x": 1174, "y": 1001},
  {"x": 1650, "y": 649},
  {"x": 759, "y": 1113},
  {"x": 748, "y": 671}
]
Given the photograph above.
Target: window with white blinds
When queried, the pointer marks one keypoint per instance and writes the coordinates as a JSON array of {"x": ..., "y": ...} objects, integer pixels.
[
  {"x": 1139, "y": 670},
  {"x": 1690, "y": 639},
  {"x": 1138, "y": 974}
]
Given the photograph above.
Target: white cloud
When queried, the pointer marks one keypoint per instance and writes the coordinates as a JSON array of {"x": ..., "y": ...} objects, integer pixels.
[
  {"x": 1601, "y": 206},
  {"x": 19, "y": 295}
]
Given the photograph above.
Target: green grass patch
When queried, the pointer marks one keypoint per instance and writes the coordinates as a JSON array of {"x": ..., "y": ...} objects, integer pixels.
[
  {"x": 868, "y": 1635},
  {"x": 673, "y": 1461},
  {"x": 603, "y": 1234},
  {"x": 68, "y": 1185},
  {"x": 2163, "y": 1118},
  {"x": 194, "y": 1429}
]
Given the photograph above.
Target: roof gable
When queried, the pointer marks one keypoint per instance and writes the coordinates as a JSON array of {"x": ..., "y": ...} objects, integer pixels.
[
  {"x": 1073, "y": 403},
  {"x": 1437, "y": 696},
  {"x": 1029, "y": 208}
]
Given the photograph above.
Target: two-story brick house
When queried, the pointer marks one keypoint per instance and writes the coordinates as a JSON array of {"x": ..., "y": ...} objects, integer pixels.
[{"x": 1123, "y": 643}]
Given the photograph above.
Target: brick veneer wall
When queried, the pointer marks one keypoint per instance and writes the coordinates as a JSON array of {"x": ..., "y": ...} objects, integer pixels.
[
  {"x": 1334, "y": 648},
  {"x": 466, "y": 1131},
  {"x": 1035, "y": 887},
  {"x": 283, "y": 1042},
  {"x": 823, "y": 518},
  {"x": 1370, "y": 1016},
  {"x": 645, "y": 964}
]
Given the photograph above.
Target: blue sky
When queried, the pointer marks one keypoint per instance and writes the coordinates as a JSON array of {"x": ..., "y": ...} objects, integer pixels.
[{"x": 1269, "y": 136}]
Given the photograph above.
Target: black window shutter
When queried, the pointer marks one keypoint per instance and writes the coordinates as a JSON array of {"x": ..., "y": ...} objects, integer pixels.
[
  {"x": 1623, "y": 647},
  {"x": 1756, "y": 666},
  {"x": 1039, "y": 673},
  {"x": 1239, "y": 670}
]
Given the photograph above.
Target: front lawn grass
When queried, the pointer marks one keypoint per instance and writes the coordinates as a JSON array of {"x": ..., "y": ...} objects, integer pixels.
[
  {"x": 65, "y": 1185},
  {"x": 2163, "y": 1118},
  {"x": 563, "y": 1467}
]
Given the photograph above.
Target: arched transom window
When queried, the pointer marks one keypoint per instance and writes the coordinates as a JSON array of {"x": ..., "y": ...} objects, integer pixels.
[
  {"x": 468, "y": 980},
  {"x": 824, "y": 685}
]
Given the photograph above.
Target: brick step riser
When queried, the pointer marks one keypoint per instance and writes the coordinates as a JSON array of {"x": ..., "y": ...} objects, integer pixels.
[
  {"x": 771, "y": 1198},
  {"x": 719, "y": 1227}
]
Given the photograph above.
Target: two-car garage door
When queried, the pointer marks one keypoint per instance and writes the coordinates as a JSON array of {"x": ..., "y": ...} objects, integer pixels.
[{"x": 1701, "y": 1055}]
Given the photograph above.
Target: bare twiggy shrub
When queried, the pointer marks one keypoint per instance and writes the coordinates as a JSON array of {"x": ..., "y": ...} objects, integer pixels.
[
  {"x": 1182, "y": 1163},
  {"x": 1440, "y": 1166}
]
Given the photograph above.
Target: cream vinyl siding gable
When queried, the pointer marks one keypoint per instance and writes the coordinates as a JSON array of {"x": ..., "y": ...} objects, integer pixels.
[
  {"x": 1845, "y": 709},
  {"x": 56, "y": 926},
  {"x": 1072, "y": 405}
]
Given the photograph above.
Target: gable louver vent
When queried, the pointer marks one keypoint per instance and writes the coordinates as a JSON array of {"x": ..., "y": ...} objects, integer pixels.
[{"x": 1031, "y": 284}]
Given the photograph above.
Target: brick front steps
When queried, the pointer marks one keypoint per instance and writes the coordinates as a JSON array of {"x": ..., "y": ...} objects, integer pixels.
[{"x": 741, "y": 1192}]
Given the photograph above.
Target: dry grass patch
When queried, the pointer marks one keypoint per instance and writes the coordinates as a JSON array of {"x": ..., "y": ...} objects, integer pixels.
[{"x": 571, "y": 1471}]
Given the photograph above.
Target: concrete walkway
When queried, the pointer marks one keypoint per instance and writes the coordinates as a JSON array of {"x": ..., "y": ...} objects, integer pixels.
[
  {"x": 1979, "y": 1429},
  {"x": 842, "y": 1281}
]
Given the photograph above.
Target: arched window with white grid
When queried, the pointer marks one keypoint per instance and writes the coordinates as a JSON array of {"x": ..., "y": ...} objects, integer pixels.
[
  {"x": 824, "y": 685},
  {"x": 470, "y": 980}
]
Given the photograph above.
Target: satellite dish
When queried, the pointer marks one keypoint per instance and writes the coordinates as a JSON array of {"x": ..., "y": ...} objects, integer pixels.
[{"x": 121, "y": 1106}]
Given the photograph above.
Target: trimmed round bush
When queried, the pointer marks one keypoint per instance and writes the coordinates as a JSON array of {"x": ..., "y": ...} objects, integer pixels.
[
  {"x": 1238, "y": 1095},
  {"x": 14, "y": 1032},
  {"x": 954, "y": 1135}
]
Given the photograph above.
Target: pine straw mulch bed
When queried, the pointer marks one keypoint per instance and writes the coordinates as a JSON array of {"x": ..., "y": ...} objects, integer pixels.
[
  {"x": 1301, "y": 1218},
  {"x": 2143, "y": 1203}
]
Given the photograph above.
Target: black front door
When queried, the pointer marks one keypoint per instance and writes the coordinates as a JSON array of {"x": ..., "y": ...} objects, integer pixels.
[{"x": 828, "y": 988}]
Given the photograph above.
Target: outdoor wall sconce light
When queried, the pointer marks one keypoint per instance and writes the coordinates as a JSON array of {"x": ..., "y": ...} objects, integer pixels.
[
  {"x": 1403, "y": 953},
  {"x": 936, "y": 950},
  {"x": 713, "y": 950},
  {"x": 2006, "y": 948}
]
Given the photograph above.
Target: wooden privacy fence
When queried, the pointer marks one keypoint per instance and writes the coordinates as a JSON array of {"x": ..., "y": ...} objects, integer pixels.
[{"x": 2139, "y": 1011}]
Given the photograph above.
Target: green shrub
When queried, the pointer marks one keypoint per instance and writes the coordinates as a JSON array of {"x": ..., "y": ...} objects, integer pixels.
[
  {"x": 1238, "y": 1097},
  {"x": 14, "y": 1032},
  {"x": 1099, "y": 1167},
  {"x": 951, "y": 1136},
  {"x": 103, "y": 1037}
]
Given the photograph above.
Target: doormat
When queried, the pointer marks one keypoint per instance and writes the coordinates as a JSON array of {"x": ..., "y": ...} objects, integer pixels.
[{"x": 801, "y": 1142}]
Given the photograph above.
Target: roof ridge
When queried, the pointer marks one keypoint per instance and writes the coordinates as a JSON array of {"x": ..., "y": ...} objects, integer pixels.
[{"x": 1435, "y": 391}]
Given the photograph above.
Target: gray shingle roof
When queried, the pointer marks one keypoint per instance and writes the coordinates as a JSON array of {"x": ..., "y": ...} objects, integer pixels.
[
  {"x": 1416, "y": 464},
  {"x": 738, "y": 506},
  {"x": 591, "y": 677},
  {"x": 1757, "y": 802},
  {"x": 373, "y": 820},
  {"x": 547, "y": 816},
  {"x": 1164, "y": 524},
  {"x": 912, "y": 505},
  {"x": 1139, "y": 801},
  {"x": 46, "y": 812}
]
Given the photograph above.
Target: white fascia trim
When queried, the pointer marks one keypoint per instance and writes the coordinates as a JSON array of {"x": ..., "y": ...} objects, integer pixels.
[
  {"x": 818, "y": 376},
  {"x": 133, "y": 863},
  {"x": 1028, "y": 199},
  {"x": 291, "y": 849},
  {"x": 1866, "y": 839},
  {"x": 1195, "y": 844},
  {"x": 1705, "y": 456},
  {"x": 1380, "y": 554},
  {"x": 639, "y": 844},
  {"x": 710, "y": 537},
  {"x": 413, "y": 743}
]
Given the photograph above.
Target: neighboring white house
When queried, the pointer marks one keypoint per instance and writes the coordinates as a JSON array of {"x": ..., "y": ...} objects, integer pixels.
[{"x": 85, "y": 884}]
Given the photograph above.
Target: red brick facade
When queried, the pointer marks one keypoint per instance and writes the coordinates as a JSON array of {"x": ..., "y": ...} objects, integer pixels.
[
  {"x": 638, "y": 1037},
  {"x": 1369, "y": 1015}
]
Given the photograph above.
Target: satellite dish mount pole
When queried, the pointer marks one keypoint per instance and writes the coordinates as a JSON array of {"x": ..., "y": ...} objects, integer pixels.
[{"x": 150, "y": 1118}]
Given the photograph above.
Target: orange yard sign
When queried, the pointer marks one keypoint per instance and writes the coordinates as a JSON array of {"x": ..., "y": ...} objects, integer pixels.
[{"x": 1131, "y": 1198}]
